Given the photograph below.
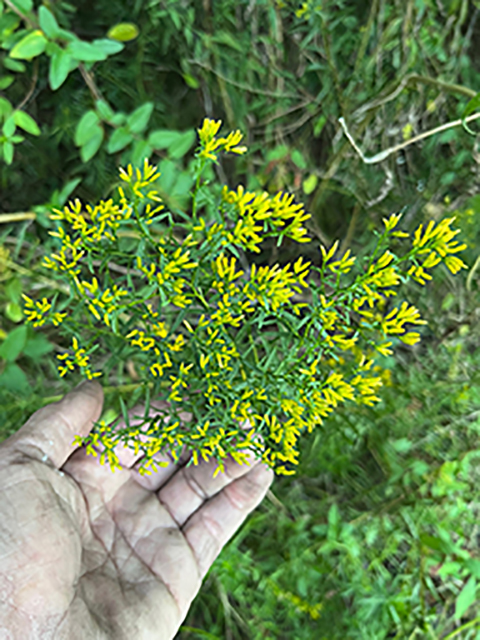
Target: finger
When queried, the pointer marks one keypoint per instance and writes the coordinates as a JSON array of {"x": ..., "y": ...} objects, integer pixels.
[
  {"x": 49, "y": 433},
  {"x": 191, "y": 486},
  {"x": 212, "y": 526}
]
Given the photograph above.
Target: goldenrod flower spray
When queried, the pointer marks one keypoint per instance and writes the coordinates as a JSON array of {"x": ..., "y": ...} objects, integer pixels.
[{"x": 196, "y": 325}]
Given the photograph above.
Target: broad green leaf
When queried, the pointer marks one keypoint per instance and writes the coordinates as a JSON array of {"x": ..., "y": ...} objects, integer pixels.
[
  {"x": 138, "y": 119},
  {"x": 105, "y": 110},
  {"x": 123, "y": 31},
  {"x": 471, "y": 107},
  {"x": 14, "y": 379},
  {"x": 466, "y": 597},
  {"x": 5, "y": 108},
  {"x": 9, "y": 23},
  {"x": 23, "y": 5},
  {"x": 298, "y": 159},
  {"x": 37, "y": 347},
  {"x": 118, "y": 119},
  {"x": 163, "y": 138},
  {"x": 9, "y": 126},
  {"x": 48, "y": 23},
  {"x": 14, "y": 343},
  {"x": 278, "y": 153},
  {"x": 59, "y": 69},
  {"x": 181, "y": 146},
  {"x": 13, "y": 290},
  {"x": 90, "y": 148},
  {"x": 26, "y": 122},
  {"x": 473, "y": 566},
  {"x": 85, "y": 51},
  {"x": 29, "y": 47},
  {"x": 8, "y": 152},
  {"x": 14, "y": 65},
  {"x": 309, "y": 184},
  {"x": 85, "y": 127},
  {"x": 14, "y": 312},
  {"x": 141, "y": 150},
  {"x": 191, "y": 81},
  {"x": 5, "y": 82},
  {"x": 108, "y": 47},
  {"x": 168, "y": 174},
  {"x": 319, "y": 124},
  {"x": 119, "y": 140},
  {"x": 67, "y": 35}
]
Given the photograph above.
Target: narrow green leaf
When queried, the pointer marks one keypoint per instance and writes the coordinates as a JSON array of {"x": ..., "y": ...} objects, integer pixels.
[
  {"x": 123, "y": 31},
  {"x": 119, "y": 140},
  {"x": 48, "y": 23},
  {"x": 60, "y": 64},
  {"x": 466, "y": 597},
  {"x": 26, "y": 122},
  {"x": 29, "y": 47},
  {"x": 124, "y": 412},
  {"x": 471, "y": 107},
  {"x": 85, "y": 127},
  {"x": 333, "y": 522},
  {"x": 66, "y": 191},
  {"x": 138, "y": 119}
]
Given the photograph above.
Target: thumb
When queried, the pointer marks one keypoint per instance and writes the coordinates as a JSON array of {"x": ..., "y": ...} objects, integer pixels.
[{"x": 48, "y": 434}]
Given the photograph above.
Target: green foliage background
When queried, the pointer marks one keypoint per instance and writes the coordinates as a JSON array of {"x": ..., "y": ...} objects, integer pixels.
[{"x": 377, "y": 535}]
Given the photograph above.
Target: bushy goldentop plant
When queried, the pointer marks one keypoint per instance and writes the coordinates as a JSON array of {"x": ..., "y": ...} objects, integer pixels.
[{"x": 229, "y": 345}]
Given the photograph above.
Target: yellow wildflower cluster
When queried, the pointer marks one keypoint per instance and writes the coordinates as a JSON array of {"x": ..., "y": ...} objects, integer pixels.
[
  {"x": 100, "y": 303},
  {"x": 436, "y": 241},
  {"x": 68, "y": 258},
  {"x": 276, "y": 285},
  {"x": 39, "y": 311},
  {"x": 138, "y": 180},
  {"x": 252, "y": 209},
  {"x": 78, "y": 359},
  {"x": 210, "y": 144},
  {"x": 97, "y": 223},
  {"x": 222, "y": 364}
]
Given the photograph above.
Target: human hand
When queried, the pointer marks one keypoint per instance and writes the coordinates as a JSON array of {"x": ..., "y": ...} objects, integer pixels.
[{"x": 87, "y": 553}]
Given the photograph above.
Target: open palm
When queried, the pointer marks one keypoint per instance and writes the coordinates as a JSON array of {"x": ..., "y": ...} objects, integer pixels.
[{"x": 87, "y": 553}]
